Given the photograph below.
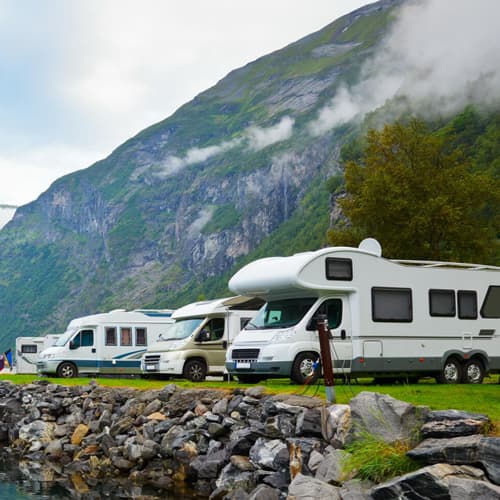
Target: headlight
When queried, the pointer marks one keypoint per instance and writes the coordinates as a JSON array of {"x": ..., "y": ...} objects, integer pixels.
[{"x": 283, "y": 336}]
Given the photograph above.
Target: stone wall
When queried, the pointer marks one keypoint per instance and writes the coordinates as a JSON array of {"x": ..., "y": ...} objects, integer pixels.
[{"x": 237, "y": 444}]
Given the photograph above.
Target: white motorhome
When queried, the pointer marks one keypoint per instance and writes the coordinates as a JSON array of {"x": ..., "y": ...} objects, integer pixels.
[
  {"x": 388, "y": 318},
  {"x": 107, "y": 343},
  {"x": 196, "y": 344},
  {"x": 28, "y": 349}
]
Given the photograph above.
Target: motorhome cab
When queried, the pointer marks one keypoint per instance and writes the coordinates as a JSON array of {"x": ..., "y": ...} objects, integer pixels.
[
  {"x": 196, "y": 344},
  {"x": 28, "y": 349},
  {"x": 388, "y": 318},
  {"x": 107, "y": 343}
]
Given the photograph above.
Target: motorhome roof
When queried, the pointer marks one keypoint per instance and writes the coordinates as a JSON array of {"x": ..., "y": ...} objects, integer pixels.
[
  {"x": 120, "y": 315},
  {"x": 207, "y": 307},
  {"x": 275, "y": 275}
]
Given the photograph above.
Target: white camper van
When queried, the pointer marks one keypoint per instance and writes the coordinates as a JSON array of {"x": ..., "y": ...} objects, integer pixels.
[
  {"x": 388, "y": 318},
  {"x": 196, "y": 344},
  {"x": 107, "y": 343},
  {"x": 28, "y": 349}
]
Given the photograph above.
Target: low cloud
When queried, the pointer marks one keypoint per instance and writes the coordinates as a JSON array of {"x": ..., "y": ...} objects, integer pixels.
[
  {"x": 255, "y": 138},
  {"x": 260, "y": 138},
  {"x": 439, "y": 56}
]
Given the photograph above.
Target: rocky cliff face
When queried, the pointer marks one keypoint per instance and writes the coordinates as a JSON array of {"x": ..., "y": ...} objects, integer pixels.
[{"x": 186, "y": 199}]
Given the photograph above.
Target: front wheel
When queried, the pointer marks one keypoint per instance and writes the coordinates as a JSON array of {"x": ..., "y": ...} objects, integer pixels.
[
  {"x": 451, "y": 372},
  {"x": 67, "y": 370},
  {"x": 473, "y": 372},
  {"x": 195, "y": 370},
  {"x": 303, "y": 371}
]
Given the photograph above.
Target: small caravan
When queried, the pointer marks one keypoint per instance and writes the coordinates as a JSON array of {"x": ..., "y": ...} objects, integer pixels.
[
  {"x": 387, "y": 318},
  {"x": 107, "y": 343},
  {"x": 28, "y": 349},
  {"x": 196, "y": 344}
]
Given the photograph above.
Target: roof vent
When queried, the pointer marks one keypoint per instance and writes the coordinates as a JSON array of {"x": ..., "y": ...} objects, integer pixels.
[{"x": 371, "y": 245}]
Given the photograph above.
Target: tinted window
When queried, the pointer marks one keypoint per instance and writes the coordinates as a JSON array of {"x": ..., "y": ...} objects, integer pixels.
[
  {"x": 125, "y": 336},
  {"x": 215, "y": 327},
  {"x": 338, "y": 269},
  {"x": 110, "y": 333},
  {"x": 392, "y": 305},
  {"x": 29, "y": 348},
  {"x": 442, "y": 302},
  {"x": 281, "y": 313},
  {"x": 467, "y": 304},
  {"x": 140, "y": 336},
  {"x": 491, "y": 304},
  {"x": 87, "y": 338}
]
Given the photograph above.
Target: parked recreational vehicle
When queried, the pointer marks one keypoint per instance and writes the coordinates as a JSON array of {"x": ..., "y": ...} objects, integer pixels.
[
  {"x": 28, "y": 349},
  {"x": 388, "y": 318},
  {"x": 107, "y": 343},
  {"x": 196, "y": 344}
]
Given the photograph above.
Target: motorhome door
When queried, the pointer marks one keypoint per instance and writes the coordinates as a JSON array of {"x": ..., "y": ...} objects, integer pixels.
[
  {"x": 339, "y": 322},
  {"x": 83, "y": 349},
  {"x": 214, "y": 338}
]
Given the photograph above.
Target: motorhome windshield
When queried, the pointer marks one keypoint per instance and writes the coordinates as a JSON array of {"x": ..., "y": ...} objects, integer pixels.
[
  {"x": 63, "y": 339},
  {"x": 281, "y": 313},
  {"x": 182, "y": 328}
]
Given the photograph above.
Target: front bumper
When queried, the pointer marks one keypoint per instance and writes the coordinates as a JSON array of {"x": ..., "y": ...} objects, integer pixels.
[{"x": 269, "y": 368}]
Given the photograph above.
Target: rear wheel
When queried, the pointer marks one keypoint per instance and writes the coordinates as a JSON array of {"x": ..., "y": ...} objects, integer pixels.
[
  {"x": 451, "y": 372},
  {"x": 473, "y": 372},
  {"x": 67, "y": 370},
  {"x": 195, "y": 370},
  {"x": 303, "y": 368}
]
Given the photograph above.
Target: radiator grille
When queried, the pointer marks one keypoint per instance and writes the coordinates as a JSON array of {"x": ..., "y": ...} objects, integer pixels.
[
  {"x": 152, "y": 358},
  {"x": 245, "y": 354}
]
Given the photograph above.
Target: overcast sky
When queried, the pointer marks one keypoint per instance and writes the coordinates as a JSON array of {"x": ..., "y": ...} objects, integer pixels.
[{"x": 79, "y": 77}]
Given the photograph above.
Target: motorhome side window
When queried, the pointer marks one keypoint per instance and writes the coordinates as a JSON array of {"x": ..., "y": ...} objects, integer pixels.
[
  {"x": 29, "y": 349},
  {"x": 442, "y": 302},
  {"x": 110, "y": 333},
  {"x": 392, "y": 304},
  {"x": 467, "y": 304},
  {"x": 332, "y": 308},
  {"x": 140, "y": 336},
  {"x": 125, "y": 336},
  {"x": 338, "y": 269},
  {"x": 491, "y": 304},
  {"x": 84, "y": 338},
  {"x": 244, "y": 322}
]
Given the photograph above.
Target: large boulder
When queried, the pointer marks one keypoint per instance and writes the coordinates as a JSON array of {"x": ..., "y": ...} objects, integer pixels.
[
  {"x": 439, "y": 482},
  {"x": 385, "y": 417},
  {"x": 465, "y": 450},
  {"x": 309, "y": 488}
]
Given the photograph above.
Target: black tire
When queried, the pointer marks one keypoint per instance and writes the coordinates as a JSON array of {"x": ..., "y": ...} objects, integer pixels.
[
  {"x": 249, "y": 378},
  {"x": 451, "y": 372},
  {"x": 67, "y": 370},
  {"x": 195, "y": 370},
  {"x": 302, "y": 368},
  {"x": 474, "y": 372}
]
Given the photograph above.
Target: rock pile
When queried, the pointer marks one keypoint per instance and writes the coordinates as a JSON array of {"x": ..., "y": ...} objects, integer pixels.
[{"x": 237, "y": 445}]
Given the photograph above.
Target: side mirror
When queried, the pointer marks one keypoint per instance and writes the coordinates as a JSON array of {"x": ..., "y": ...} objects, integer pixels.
[{"x": 72, "y": 344}]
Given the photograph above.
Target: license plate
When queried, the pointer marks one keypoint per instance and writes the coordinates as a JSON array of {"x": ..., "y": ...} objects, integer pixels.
[
  {"x": 240, "y": 364},
  {"x": 151, "y": 368}
]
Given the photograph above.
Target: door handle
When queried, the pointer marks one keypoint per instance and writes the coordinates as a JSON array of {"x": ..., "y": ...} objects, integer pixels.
[
  {"x": 93, "y": 349},
  {"x": 224, "y": 344},
  {"x": 343, "y": 334}
]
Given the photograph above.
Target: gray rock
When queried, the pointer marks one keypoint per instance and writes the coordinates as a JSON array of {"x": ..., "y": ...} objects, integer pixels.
[
  {"x": 315, "y": 459},
  {"x": 122, "y": 426},
  {"x": 220, "y": 407},
  {"x": 209, "y": 466},
  {"x": 309, "y": 423},
  {"x": 356, "y": 490},
  {"x": 461, "y": 488},
  {"x": 440, "y": 415},
  {"x": 231, "y": 478},
  {"x": 335, "y": 424},
  {"x": 264, "y": 452},
  {"x": 465, "y": 450},
  {"x": 264, "y": 492},
  {"x": 153, "y": 407},
  {"x": 453, "y": 428},
  {"x": 388, "y": 418},
  {"x": 330, "y": 470},
  {"x": 256, "y": 391},
  {"x": 309, "y": 488},
  {"x": 429, "y": 482}
]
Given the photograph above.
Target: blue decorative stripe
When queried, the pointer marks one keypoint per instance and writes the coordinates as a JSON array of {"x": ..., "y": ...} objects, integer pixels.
[{"x": 127, "y": 354}]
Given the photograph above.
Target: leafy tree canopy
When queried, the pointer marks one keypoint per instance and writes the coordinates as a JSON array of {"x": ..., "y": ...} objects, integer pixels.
[{"x": 421, "y": 197}]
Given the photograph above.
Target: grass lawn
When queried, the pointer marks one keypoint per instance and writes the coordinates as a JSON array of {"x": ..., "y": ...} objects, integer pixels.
[{"x": 483, "y": 398}]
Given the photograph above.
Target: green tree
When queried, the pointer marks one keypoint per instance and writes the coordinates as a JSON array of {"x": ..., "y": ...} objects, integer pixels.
[{"x": 420, "y": 198}]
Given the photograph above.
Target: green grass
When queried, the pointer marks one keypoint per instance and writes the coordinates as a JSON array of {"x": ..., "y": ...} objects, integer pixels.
[
  {"x": 375, "y": 460},
  {"x": 484, "y": 398}
]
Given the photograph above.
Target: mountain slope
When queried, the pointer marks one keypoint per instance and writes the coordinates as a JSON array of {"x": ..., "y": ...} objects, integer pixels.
[{"x": 183, "y": 202}]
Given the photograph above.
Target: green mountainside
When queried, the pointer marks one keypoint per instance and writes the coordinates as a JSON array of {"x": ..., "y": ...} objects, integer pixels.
[{"x": 172, "y": 213}]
